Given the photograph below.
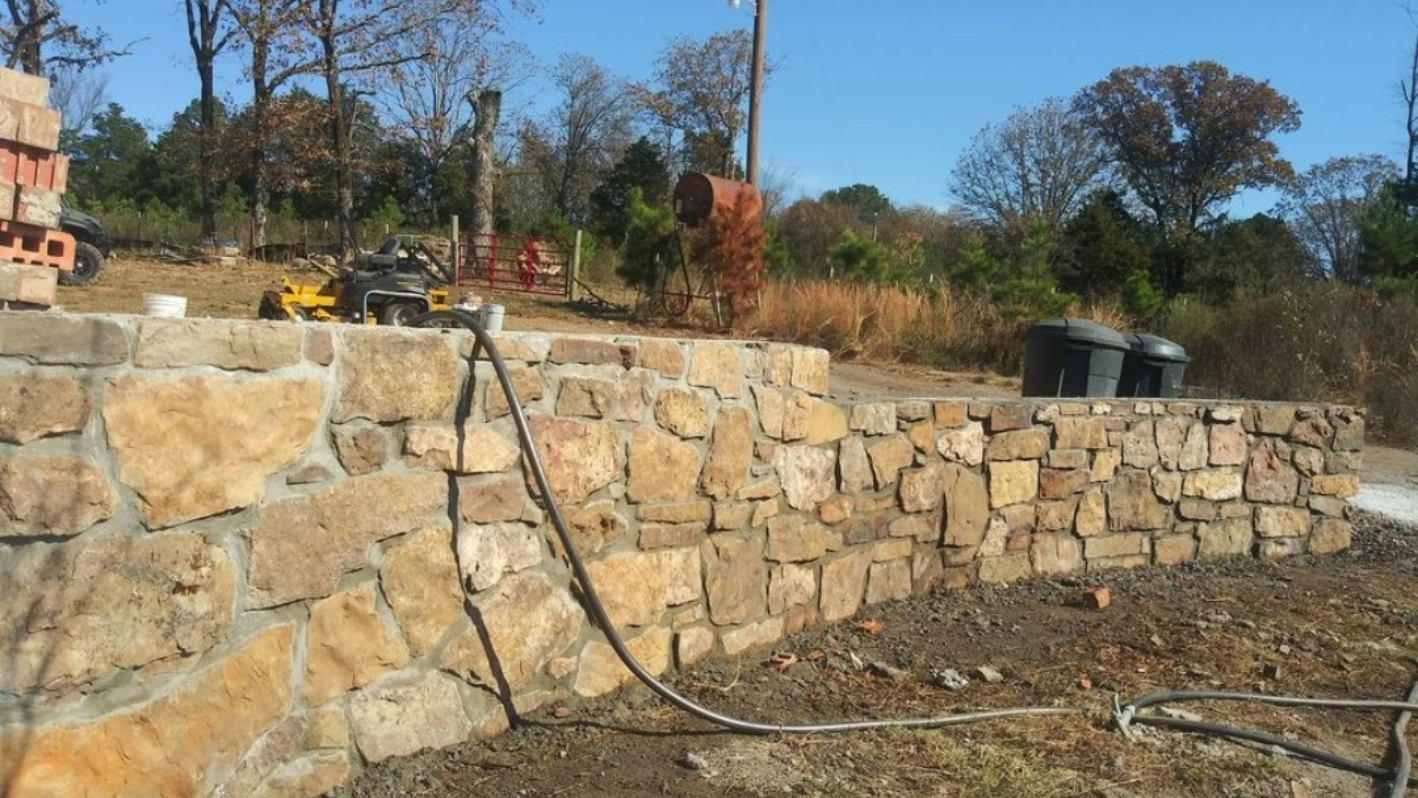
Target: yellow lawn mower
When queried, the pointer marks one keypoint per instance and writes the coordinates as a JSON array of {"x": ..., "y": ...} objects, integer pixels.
[{"x": 403, "y": 279}]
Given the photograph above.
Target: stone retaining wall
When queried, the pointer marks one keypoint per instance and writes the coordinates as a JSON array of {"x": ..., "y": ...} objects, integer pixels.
[{"x": 243, "y": 559}]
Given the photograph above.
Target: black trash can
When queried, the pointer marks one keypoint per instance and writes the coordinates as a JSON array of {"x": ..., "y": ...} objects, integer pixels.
[
  {"x": 1073, "y": 357},
  {"x": 1153, "y": 367}
]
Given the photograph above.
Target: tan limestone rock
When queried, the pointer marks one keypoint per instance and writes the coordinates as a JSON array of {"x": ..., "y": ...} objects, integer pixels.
[
  {"x": 1120, "y": 545},
  {"x": 1270, "y": 479},
  {"x": 792, "y": 539},
  {"x": 843, "y": 584},
  {"x": 1312, "y": 429},
  {"x": 592, "y": 527},
  {"x": 1227, "y": 538},
  {"x": 374, "y": 369},
  {"x": 1331, "y": 536},
  {"x": 730, "y": 454},
  {"x": 171, "y": 748},
  {"x": 1174, "y": 550},
  {"x": 735, "y": 578},
  {"x": 361, "y": 450},
  {"x": 1025, "y": 444},
  {"x": 664, "y": 536},
  {"x": 666, "y": 357},
  {"x": 964, "y": 444},
  {"x": 1006, "y": 417},
  {"x": 967, "y": 506},
  {"x": 1349, "y": 436},
  {"x": 874, "y": 418},
  {"x": 328, "y": 533},
  {"x": 1056, "y": 555},
  {"x": 677, "y": 513},
  {"x": 1228, "y": 445},
  {"x": 483, "y": 501},
  {"x": 483, "y": 450},
  {"x": 791, "y": 586},
  {"x": 1171, "y": 437},
  {"x": 922, "y": 436},
  {"x": 1195, "y": 452},
  {"x": 888, "y": 458},
  {"x": 419, "y": 578},
  {"x": 592, "y": 352},
  {"x": 662, "y": 467},
  {"x": 1013, "y": 567},
  {"x": 771, "y": 408},
  {"x": 888, "y": 581},
  {"x": 349, "y": 646},
  {"x": 57, "y": 339},
  {"x": 1133, "y": 504},
  {"x": 85, "y": 609},
  {"x": 1282, "y": 522},
  {"x": 52, "y": 495},
  {"x": 404, "y": 718},
  {"x": 810, "y": 370},
  {"x": 528, "y": 621},
  {"x": 731, "y": 516},
  {"x": 1105, "y": 465},
  {"x": 836, "y": 510},
  {"x": 807, "y": 475},
  {"x": 38, "y": 404},
  {"x": 487, "y": 553},
  {"x": 1080, "y": 433},
  {"x": 253, "y": 346},
  {"x": 1343, "y": 486},
  {"x": 693, "y": 645},
  {"x": 717, "y": 366},
  {"x": 307, "y": 776},
  {"x": 1057, "y": 516},
  {"x": 1217, "y": 485},
  {"x": 1092, "y": 517},
  {"x": 526, "y": 382},
  {"x": 1140, "y": 446},
  {"x": 1013, "y": 482},
  {"x": 580, "y": 457},
  {"x": 1061, "y": 484},
  {"x": 826, "y": 423},
  {"x": 601, "y": 671},
  {"x": 1273, "y": 419},
  {"x": 950, "y": 414},
  {"x": 683, "y": 412},
  {"x": 637, "y": 587},
  {"x": 753, "y": 636},
  {"x": 922, "y": 489},
  {"x": 184, "y": 466},
  {"x": 854, "y": 466},
  {"x": 586, "y": 396}
]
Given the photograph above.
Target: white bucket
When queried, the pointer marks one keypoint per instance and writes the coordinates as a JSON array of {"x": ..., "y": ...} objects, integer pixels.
[
  {"x": 165, "y": 305},
  {"x": 492, "y": 317}
]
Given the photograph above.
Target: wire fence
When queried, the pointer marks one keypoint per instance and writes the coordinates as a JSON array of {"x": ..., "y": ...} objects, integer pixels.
[{"x": 286, "y": 238}]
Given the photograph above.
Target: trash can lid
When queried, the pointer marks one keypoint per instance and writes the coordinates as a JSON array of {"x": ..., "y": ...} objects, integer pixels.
[
  {"x": 1157, "y": 347},
  {"x": 1078, "y": 330}
]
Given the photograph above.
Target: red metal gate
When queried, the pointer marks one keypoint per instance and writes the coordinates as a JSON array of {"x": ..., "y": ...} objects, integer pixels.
[{"x": 531, "y": 264}]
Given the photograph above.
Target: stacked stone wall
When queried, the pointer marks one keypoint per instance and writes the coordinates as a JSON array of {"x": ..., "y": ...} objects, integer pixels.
[{"x": 245, "y": 559}]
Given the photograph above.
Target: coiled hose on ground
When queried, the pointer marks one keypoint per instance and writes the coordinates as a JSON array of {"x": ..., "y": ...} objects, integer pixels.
[{"x": 1124, "y": 716}]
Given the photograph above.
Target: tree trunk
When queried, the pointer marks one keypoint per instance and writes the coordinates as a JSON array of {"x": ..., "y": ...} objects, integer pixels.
[
  {"x": 341, "y": 130},
  {"x": 487, "y": 106},
  {"x": 260, "y": 115},
  {"x": 207, "y": 147}
]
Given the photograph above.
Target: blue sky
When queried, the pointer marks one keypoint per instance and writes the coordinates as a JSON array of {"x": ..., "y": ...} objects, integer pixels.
[{"x": 889, "y": 92}]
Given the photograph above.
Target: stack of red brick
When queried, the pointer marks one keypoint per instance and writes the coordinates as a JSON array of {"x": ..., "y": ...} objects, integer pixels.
[{"x": 32, "y": 180}]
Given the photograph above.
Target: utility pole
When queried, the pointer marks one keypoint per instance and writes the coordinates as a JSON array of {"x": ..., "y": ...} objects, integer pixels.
[{"x": 755, "y": 88}]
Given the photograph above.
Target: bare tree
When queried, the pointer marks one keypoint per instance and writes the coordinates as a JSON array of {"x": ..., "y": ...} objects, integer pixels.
[
  {"x": 359, "y": 41},
  {"x": 77, "y": 96},
  {"x": 432, "y": 101},
  {"x": 1323, "y": 207},
  {"x": 265, "y": 25},
  {"x": 210, "y": 30},
  {"x": 33, "y": 27},
  {"x": 574, "y": 146},
  {"x": 1040, "y": 163},
  {"x": 700, "y": 90},
  {"x": 487, "y": 108}
]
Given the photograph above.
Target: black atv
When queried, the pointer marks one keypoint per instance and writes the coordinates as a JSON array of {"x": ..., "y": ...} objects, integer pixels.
[{"x": 91, "y": 250}]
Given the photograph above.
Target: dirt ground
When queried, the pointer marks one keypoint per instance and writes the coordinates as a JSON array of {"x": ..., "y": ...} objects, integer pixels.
[{"x": 1346, "y": 627}]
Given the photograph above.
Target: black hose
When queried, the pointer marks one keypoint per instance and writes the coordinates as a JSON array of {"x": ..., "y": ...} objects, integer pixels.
[
  {"x": 1299, "y": 749},
  {"x": 1174, "y": 696},
  {"x": 1399, "y": 785},
  {"x": 602, "y": 619}
]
